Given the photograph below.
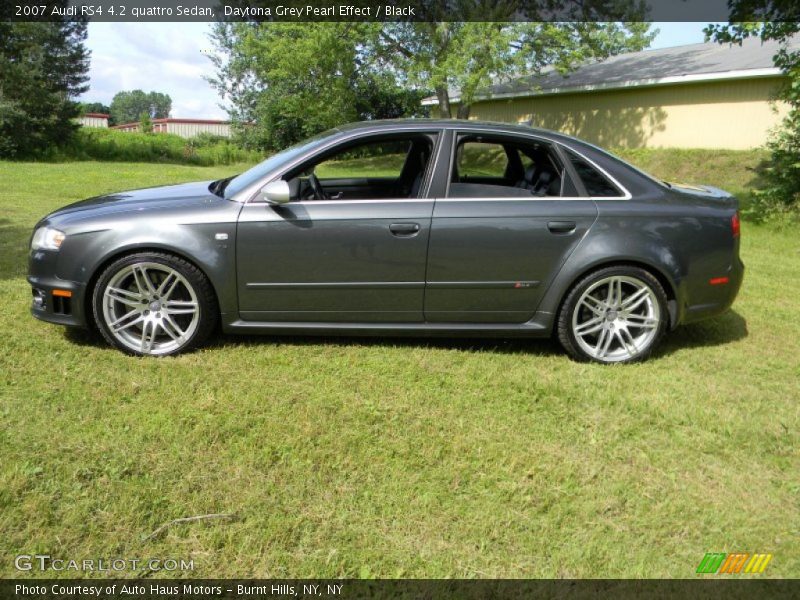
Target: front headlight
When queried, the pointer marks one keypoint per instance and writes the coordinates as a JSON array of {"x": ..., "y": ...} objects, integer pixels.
[{"x": 47, "y": 238}]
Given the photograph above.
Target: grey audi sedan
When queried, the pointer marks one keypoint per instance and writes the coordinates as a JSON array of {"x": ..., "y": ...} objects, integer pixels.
[{"x": 408, "y": 227}]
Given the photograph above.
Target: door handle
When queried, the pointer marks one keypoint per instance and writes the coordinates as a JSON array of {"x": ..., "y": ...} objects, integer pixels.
[
  {"x": 561, "y": 226},
  {"x": 404, "y": 229}
]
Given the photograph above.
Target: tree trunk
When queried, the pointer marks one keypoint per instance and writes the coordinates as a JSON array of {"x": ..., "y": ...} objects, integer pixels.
[
  {"x": 463, "y": 111},
  {"x": 444, "y": 103}
]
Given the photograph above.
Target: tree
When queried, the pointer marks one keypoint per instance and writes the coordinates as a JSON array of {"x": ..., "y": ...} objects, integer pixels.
[
  {"x": 285, "y": 81},
  {"x": 781, "y": 192},
  {"x": 127, "y": 107},
  {"x": 43, "y": 67},
  {"x": 94, "y": 107},
  {"x": 145, "y": 123},
  {"x": 290, "y": 80},
  {"x": 466, "y": 57}
]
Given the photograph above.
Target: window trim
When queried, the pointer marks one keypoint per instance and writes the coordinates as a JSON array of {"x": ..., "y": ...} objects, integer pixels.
[
  {"x": 445, "y": 136},
  {"x": 557, "y": 145},
  {"x": 566, "y": 151},
  {"x": 436, "y": 133}
]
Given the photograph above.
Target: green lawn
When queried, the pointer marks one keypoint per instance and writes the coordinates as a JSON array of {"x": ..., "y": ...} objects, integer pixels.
[{"x": 408, "y": 458}]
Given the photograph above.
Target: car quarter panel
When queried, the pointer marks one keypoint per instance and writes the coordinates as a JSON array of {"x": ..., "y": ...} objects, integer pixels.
[{"x": 684, "y": 242}]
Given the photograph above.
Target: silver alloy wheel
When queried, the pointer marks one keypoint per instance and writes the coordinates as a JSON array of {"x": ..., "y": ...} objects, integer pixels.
[
  {"x": 616, "y": 318},
  {"x": 150, "y": 308}
]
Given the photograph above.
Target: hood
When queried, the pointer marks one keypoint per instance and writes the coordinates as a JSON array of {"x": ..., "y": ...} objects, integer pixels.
[{"x": 169, "y": 196}]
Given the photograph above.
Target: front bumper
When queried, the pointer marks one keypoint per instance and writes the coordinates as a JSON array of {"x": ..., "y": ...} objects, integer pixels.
[{"x": 54, "y": 300}]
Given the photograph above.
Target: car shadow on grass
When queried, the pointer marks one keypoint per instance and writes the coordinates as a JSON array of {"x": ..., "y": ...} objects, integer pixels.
[
  {"x": 721, "y": 330},
  {"x": 718, "y": 331},
  {"x": 724, "y": 329},
  {"x": 540, "y": 347},
  {"x": 537, "y": 347}
]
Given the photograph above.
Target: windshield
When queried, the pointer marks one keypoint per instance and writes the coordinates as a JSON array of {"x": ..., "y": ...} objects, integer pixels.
[{"x": 237, "y": 184}]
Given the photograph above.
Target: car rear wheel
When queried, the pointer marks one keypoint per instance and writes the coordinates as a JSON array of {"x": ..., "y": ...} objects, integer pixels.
[
  {"x": 614, "y": 315},
  {"x": 154, "y": 304}
]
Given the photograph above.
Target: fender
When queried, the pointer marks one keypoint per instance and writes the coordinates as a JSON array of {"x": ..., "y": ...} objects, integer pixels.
[{"x": 197, "y": 243}]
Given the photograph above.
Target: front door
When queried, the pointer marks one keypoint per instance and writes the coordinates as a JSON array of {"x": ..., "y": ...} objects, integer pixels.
[
  {"x": 350, "y": 246},
  {"x": 510, "y": 218}
]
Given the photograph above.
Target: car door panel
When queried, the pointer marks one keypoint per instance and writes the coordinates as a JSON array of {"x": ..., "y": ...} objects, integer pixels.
[
  {"x": 492, "y": 260},
  {"x": 333, "y": 261}
]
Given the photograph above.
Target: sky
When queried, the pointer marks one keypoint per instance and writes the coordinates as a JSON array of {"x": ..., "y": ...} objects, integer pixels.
[{"x": 164, "y": 57}]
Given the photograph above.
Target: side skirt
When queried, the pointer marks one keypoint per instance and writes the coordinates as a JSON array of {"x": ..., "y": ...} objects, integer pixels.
[{"x": 539, "y": 326}]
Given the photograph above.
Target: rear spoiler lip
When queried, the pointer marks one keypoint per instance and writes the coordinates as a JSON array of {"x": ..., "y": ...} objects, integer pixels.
[{"x": 702, "y": 190}]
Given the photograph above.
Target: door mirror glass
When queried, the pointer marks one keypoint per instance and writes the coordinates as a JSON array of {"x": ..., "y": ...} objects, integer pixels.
[{"x": 276, "y": 192}]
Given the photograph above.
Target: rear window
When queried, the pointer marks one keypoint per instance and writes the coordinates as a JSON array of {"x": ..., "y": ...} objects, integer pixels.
[
  {"x": 481, "y": 159},
  {"x": 594, "y": 181}
]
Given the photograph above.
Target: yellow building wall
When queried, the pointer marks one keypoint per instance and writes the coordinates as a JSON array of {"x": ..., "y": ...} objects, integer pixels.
[{"x": 723, "y": 114}]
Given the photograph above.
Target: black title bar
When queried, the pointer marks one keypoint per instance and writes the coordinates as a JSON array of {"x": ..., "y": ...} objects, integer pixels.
[
  {"x": 398, "y": 10},
  {"x": 359, "y": 589}
]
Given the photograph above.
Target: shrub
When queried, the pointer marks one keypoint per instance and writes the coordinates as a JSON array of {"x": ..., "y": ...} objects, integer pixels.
[
  {"x": 113, "y": 145},
  {"x": 780, "y": 198}
]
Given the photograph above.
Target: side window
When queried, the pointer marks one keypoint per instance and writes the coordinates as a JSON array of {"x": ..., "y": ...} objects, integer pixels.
[
  {"x": 594, "y": 181},
  {"x": 481, "y": 160},
  {"x": 506, "y": 167},
  {"x": 376, "y": 159},
  {"x": 381, "y": 168},
  {"x": 526, "y": 160}
]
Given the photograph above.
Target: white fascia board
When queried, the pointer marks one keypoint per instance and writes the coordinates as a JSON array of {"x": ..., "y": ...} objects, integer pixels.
[{"x": 621, "y": 85}]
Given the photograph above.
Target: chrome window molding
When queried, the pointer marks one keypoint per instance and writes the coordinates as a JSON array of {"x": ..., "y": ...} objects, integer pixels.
[
  {"x": 625, "y": 196},
  {"x": 250, "y": 195}
]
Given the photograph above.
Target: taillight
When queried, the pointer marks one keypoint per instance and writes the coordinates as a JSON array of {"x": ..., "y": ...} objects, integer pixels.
[{"x": 735, "y": 225}]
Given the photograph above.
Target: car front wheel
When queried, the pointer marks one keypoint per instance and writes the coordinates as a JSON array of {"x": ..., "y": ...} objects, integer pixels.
[
  {"x": 154, "y": 304},
  {"x": 614, "y": 315}
]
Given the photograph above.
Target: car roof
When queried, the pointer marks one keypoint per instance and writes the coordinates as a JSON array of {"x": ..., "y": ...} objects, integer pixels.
[{"x": 461, "y": 124}]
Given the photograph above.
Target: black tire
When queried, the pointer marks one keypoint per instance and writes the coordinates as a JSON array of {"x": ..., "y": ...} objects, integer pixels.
[
  {"x": 206, "y": 304},
  {"x": 565, "y": 326}
]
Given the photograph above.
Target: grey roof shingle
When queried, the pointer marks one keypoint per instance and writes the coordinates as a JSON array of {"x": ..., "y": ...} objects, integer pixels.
[{"x": 648, "y": 66}]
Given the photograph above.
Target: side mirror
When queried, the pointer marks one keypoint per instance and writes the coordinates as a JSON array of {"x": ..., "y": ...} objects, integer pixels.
[{"x": 276, "y": 192}]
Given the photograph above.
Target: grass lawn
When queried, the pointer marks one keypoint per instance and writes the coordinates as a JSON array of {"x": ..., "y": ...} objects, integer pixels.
[{"x": 399, "y": 458}]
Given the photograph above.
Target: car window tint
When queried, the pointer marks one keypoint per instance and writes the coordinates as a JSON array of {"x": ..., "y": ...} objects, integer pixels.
[
  {"x": 377, "y": 168},
  {"x": 526, "y": 160},
  {"x": 377, "y": 159},
  {"x": 500, "y": 167},
  {"x": 479, "y": 159},
  {"x": 594, "y": 181}
]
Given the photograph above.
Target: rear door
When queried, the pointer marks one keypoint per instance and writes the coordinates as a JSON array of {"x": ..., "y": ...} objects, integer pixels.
[{"x": 502, "y": 230}]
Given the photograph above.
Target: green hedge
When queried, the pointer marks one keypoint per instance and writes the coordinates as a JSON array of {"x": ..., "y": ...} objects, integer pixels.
[{"x": 113, "y": 145}]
